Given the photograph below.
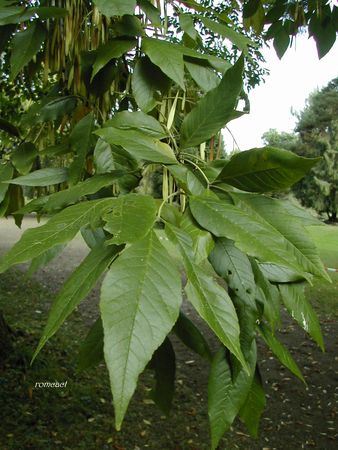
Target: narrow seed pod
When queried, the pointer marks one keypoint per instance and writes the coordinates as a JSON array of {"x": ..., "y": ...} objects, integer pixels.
[{"x": 165, "y": 192}]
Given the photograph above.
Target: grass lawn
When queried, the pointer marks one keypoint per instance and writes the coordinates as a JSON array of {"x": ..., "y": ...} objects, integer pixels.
[
  {"x": 326, "y": 239},
  {"x": 81, "y": 416},
  {"x": 324, "y": 296}
]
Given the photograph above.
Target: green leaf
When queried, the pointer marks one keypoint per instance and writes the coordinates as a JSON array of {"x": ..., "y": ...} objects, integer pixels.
[
  {"x": 167, "y": 56},
  {"x": 153, "y": 13},
  {"x": 4, "y": 204},
  {"x": 191, "y": 336},
  {"x": 49, "y": 12},
  {"x": 203, "y": 76},
  {"x": 139, "y": 121},
  {"x": 123, "y": 160},
  {"x": 139, "y": 145},
  {"x": 81, "y": 139},
  {"x": 251, "y": 234},
  {"x": 323, "y": 27},
  {"x": 57, "y": 108},
  {"x": 187, "y": 25},
  {"x": 237, "y": 38},
  {"x": 219, "y": 64},
  {"x": 60, "y": 228},
  {"x": 213, "y": 169},
  {"x": 43, "y": 259},
  {"x": 325, "y": 38},
  {"x": 202, "y": 241},
  {"x": 279, "y": 274},
  {"x": 130, "y": 217},
  {"x": 256, "y": 21},
  {"x": 267, "y": 294},
  {"x": 186, "y": 179},
  {"x": 9, "y": 128},
  {"x": 276, "y": 214},
  {"x": 76, "y": 288},
  {"x": 10, "y": 14},
  {"x": 254, "y": 405},
  {"x": 13, "y": 15},
  {"x": 111, "y": 50},
  {"x": 16, "y": 200},
  {"x": 103, "y": 157},
  {"x": 140, "y": 301},
  {"x": 6, "y": 173},
  {"x": 25, "y": 45},
  {"x": 60, "y": 200},
  {"x": 225, "y": 395},
  {"x": 91, "y": 350},
  {"x": 42, "y": 177},
  {"x": 128, "y": 25},
  {"x": 296, "y": 303},
  {"x": 93, "y": 237},
  {"x": 214, "y": 110},
  {"x": 250, "y": 8},
  {"x": 34, "y": 205},
  {"x": 116, "y": 7},
  {"x": 297, "y": 212},
  {"x": 191, "y": 4},
  {"x": 265, "y": 169},
  {"x": 23, "y": 157},
  {"x": 55, "y": 150},
  {"x": 164, "y": 364},
  {"x": 234, "y": 266},
  {"x": 147, "y": 81},
  {"x": 280, "y": 351},
  {"x": 281, "y": 42},
  {"x": 209, "y": 299}
]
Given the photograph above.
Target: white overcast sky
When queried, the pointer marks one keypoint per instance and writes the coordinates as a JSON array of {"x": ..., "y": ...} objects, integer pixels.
[{"x": 290, "y": 82}]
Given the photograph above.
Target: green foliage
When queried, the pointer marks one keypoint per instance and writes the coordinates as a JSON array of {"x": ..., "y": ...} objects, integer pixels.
[
  {"x": 41, "y": 177},
  {"x": 130, "y": 218},
  {"x": 25, "y": 45},
  {"x": 252, "y": 171},
  {"x": 191, "y": 336},
  {"x": 139, "y": 145},
  {"x": 164, "y": 365},
  {"x": 140, "y": 301},
  {"x": 76, "y": 288},
  {"x": 116, "y": 8},
  {"x": 254, "y": 405},
  {"x": 287, "y": 18},
  {"x": 220, "y": 102},
  {"x": 226, "y": 392},
  {"x": 294, "y": 299},
  {"x": 280, "y": 351},
  {"x": 124, "y": 145},
  {"x": 91, "y": 352}
]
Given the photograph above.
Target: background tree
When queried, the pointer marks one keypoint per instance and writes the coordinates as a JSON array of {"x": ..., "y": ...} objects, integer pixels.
[{"x": 316, "y": 136}]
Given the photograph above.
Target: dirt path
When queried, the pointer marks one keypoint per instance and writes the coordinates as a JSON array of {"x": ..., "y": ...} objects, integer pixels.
[
  {"x": 54, "y": 274},
  {"x": 296, "y": 417},
  {"x": 71, "y": 256}
]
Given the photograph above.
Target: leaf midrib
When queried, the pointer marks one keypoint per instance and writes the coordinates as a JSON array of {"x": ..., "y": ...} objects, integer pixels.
[
  {"x": 141, "y": 287},
  {"x": 296, "y": 249},
  {"x": 248, "y": 172},
  {"x": 252, "y": 235}
]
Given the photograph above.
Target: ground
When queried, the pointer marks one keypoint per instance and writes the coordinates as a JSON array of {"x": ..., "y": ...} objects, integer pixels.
[{"x": 81, "y": 416}]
